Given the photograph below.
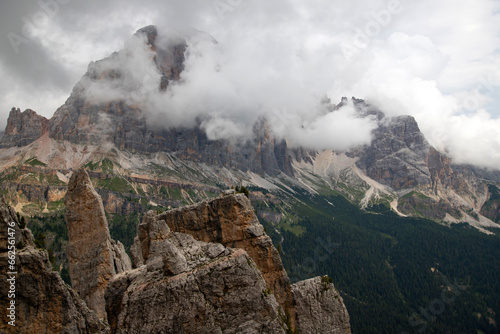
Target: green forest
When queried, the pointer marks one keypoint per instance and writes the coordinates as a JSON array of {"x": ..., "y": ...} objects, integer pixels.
[{"x": 395, "y": 274}]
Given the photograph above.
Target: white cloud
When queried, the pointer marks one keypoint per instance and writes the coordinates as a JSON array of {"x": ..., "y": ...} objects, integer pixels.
[{"x": 437, "y": 61}]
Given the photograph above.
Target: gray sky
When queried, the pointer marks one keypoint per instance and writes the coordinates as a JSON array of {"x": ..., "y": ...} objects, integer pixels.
[{"x": 436, "y": 60}]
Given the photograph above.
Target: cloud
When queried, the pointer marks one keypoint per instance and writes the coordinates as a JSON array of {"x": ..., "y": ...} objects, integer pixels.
[
  {"x": 225, "y": 93},
  {"x": 437, "y": 61}
]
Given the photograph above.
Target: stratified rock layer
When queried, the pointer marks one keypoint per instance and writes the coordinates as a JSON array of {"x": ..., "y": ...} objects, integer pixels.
[
  {"x": 44, "y": 303},
  {"x": 93, "y": 257},
  {"x": 320, "y": 308}
]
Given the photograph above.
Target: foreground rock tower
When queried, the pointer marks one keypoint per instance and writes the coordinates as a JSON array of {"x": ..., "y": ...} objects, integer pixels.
[
  {"x": 205, "y": 268},
  {"x": 230, "y": 221},
  {"x": 94, "y": 258},
  {"x": 43, "y": 302}
]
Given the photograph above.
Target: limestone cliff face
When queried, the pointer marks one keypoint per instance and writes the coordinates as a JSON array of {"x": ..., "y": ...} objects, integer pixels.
[
  {"x": 186, "y": 272},
  {"x": 320, "y": 308},
  {"x": 44, "y": 303},
  {"x": 400, "y": 157},
  {"x": 86, "y": 120},
  {"x": 23, "y": 128},
  {"x": 397, "y": 154},
  {"x": 231, "y": 221},
  {"x": 183, "y": 285},
  {"x": 94, "y": 258}
]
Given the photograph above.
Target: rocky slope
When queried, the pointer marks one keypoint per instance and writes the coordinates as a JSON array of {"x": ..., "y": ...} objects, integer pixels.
[
  {"x": 187, "y": 286},
  {"x": 231, "y": 221},
  {"x": 43, "y": 302},
  {"x": 222, "y": 276}
]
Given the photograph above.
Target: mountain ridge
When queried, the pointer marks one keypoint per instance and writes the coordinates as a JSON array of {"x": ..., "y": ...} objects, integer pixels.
[{"x": 136, "y": 167}]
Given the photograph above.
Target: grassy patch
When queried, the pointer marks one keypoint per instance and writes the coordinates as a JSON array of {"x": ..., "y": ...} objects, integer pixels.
[
  {"x": 107, "y": 166},
  {"x": 34, "y": 162},
  {"x": 175, "y": 193},
  {"x": 55, "y": 205},
  {"x": 92, "y": 165},
  {"x": 116, "y": 184},
  {"x": 287, "y": 225}
]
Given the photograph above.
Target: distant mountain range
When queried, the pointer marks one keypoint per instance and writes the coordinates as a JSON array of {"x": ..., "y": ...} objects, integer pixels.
[
  {"x": 350, "y": 200},
  {"x": 399, "y": 168}
]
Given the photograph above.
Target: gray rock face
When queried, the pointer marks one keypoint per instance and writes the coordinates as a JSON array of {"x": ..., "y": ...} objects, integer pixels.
[
  {"x": 320, "y": 308},
  {"x": 22, "y": 235},
  {"x": 397, "y": 154},
  {"x": 189, "y": 286},
  {"x": 23, "y": 128},
  {"x": 180, "y": 285},
  {"x": 44, "y": 303},
  {"x": 84, "y": 121},
  {"x": 93, "y": 257},
  {"x": 180, "y": 242},
  {"x": 231, "y": 221},
  {"x": 121, "y": 261}
]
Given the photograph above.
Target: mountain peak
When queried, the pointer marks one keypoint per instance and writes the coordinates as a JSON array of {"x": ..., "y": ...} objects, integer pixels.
[
  {"x": 23, "y": 128},
  {"x": 151, "y": 32}
]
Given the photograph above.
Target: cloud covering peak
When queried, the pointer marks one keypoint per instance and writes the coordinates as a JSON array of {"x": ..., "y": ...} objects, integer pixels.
[
  {"x": 437, "y": 61},
  {"x": 224, "y": 93}
]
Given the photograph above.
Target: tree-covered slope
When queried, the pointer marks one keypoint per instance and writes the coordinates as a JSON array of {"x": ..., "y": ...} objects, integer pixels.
[{"x": 395, "y": 274}]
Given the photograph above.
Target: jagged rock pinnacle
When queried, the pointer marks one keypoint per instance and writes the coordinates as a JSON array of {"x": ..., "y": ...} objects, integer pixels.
[{"x": 94, "y": 258}]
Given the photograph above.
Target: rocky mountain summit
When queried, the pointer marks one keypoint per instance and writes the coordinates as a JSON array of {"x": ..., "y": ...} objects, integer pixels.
[
  {"x": 23, "y": 128},
  {"x": 83, "y": 119},
  {"x": 400, "y": 158},
  {"x": 205, "y": 268},
  {"x": 104, "y": 118}
]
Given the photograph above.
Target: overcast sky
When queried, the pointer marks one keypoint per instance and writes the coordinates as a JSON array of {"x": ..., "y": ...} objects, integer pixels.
[{"x": 436, "y": 60}]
